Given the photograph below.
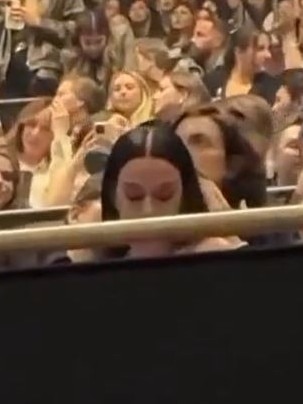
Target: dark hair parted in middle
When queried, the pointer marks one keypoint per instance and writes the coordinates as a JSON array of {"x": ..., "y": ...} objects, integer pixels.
[{"x": 153, "y": 139}]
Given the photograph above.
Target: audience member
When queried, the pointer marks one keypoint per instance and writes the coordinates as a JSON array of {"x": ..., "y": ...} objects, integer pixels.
[
  {"x": 152, "y": 56},
  {"x": 150, "y": 174},
  {"x": 182, "y": 22},
  {"x": 178, "y": 93},
  {"x": 9, "y": 181},
  {"x": 145, "y": 21},
  {"x": 129, "y": 102},
  {"x": 223, "y": 155},
  {"x": 91, "y": 54},
  {"x": 30, "y": 142},
  {"x": 209, "y": 43},
  {"x": 244, "y": 69},
  {"x": 50, "y": 26},
  {"x": 225, "y": 76}
]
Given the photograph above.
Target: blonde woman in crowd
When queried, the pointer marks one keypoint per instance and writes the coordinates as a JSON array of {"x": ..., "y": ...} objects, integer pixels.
[{"x": 129, "y": 103}]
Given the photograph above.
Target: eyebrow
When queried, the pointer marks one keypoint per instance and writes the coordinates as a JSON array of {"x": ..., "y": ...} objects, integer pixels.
[
  {"x": 131, "y": 183},
  {"x": 197, "y": 134}
]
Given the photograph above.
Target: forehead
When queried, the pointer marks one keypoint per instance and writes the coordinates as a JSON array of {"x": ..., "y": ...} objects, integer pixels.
[
  {"x": 148, "y": 170},
  {"x": 124, "y": 78},
  {"x": 263, "y": 40},
  {"x": 201, "y": 124},
  {"x": 112, "y": 3},
  {"x": 182, "y": 8},
  {"x": 203, "y": 25},
  {"x": 65, "y": 86},
  {"x": 139, "y": 3}
]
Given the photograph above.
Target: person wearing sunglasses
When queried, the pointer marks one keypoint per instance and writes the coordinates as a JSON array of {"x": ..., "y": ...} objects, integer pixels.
[{"x": 9, "y": 179}]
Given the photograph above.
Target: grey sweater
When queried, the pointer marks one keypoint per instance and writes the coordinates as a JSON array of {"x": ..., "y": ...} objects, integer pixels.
[{"x": 54, "y": 32}]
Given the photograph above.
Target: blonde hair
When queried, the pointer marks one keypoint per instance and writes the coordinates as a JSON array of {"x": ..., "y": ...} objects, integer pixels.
[
  {"x": 144, "y": 111},
  {"x": 193, "y": 86}
]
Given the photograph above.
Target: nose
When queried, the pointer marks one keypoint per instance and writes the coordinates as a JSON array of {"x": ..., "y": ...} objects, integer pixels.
[
  {"x": 156, "y": 96},
  {"x": 267, "y": 55},
  {"x": 35, "y": 131},
  {"x": 147, "y": 208}
]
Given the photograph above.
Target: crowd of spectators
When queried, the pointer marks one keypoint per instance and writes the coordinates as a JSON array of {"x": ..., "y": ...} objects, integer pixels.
[{"x": 148, "y": 108}]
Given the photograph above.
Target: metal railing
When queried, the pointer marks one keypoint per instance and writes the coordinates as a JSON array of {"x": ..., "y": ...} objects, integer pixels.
[
  {"x": 25, "y": 217},
  {"x": 189, "y": 227},
  {"x": 12, "y": 101},
  {"x": 281, "y": 190}
]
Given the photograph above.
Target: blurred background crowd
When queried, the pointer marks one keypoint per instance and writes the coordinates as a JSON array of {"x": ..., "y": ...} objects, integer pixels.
[{"x": 143, "y": 108}]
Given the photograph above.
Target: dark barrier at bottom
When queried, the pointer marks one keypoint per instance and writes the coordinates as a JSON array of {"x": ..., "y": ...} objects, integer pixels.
[{"x": 208, "y": 329}]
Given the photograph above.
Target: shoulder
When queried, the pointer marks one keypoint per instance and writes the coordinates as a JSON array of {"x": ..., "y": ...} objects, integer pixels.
[
  {"x": 214, "y": 80},
  {"x": 220, "y": 244},
  {"x": 68, "y": 57},
  {"x": 213, "y": 244},
  {"x": 266, "y": 86}
]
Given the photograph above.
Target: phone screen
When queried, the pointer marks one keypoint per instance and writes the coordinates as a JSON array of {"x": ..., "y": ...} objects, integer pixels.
[{"x": 100, "y": 128}]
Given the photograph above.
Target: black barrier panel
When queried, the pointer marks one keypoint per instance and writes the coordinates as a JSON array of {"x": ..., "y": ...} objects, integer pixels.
[{"x": 209, "y": 329}]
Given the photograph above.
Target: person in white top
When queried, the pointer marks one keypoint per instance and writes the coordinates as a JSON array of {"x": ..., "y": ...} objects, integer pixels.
[{"x": 31, "y": 143}]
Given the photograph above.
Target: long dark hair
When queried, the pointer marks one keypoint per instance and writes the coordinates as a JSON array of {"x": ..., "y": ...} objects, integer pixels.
[
  {"x": 91, "y": 23},
  {"x": 174, "y": 35},
  {"x": 240, "y": 39},
  {"x": 165, "y": 145}
]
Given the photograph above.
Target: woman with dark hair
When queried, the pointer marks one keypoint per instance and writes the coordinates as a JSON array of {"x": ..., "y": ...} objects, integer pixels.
[
  {"x": 182, "y": 23},
  {"x": 145, "y": 21},
  {"x": 150, "y": 174},
  {"x": 90, "y": 56},
  {"x": 291, "y": 90},
  {"x": 244, "y": 70},
  {"x": 286, "y": 153}
]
